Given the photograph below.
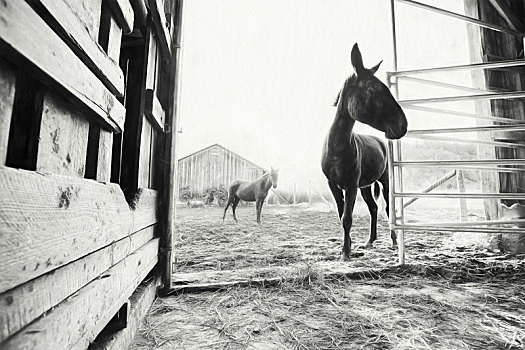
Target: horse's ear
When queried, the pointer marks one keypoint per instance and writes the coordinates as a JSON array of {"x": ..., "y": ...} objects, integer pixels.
[
  {"x": 374, "y": 69},
  {"x": 357, "y": 60}
]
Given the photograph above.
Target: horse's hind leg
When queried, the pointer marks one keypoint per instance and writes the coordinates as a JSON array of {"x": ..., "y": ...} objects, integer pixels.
[
  {"x": 386, "y": 191},
  {"x": 366, "y": 193},
  {"x": 228, "y": 202},
  {"x": 234, "y": 205}
]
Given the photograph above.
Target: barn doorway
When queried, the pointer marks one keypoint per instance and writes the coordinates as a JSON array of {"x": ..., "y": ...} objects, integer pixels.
[{"x": 458, "y": 171}]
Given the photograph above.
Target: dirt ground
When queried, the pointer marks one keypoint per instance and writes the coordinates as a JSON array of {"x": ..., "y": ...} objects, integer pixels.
[{"x": 290, "y": 290}]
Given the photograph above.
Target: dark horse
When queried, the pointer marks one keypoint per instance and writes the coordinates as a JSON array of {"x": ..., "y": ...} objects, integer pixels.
[
  {"x": 254, "y": 191},
  {"x": 351, "y": 161}
]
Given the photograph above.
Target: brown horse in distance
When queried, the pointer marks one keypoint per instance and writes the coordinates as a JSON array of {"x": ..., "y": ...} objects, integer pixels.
[
  {"x": 254, "y": 191},
  {"x": 351, "y": 161}
]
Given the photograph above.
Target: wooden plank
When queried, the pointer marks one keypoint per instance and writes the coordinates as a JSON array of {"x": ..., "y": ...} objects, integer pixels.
[
  {"x": 123, "y": 13},
  {"x": 141, "y": 11},
  {"x": 151, "y": 67},
  {"x": 159, "y": 21},
  {"x": 144, "y": 208},
  {"x": 63, "y": 139},
  {"x": 7, "y": 98},
  {"x": 114, "y": 40},
  {"x": 145, "y": 155},
  {"x": 30, "y": 300},
  {"x": 75, "y": 323},
  {"x": 154, "y": 110},
  {"x": 507, "y": 14},
  {"x": 88, "y": 12},
  {"x": 47, "y": 221},
  {"x": 105, "y": 147},
  {"x": 489, "y": 181},
  {"x": 110, "y": 34},
  {"x": 60, "y": 16},
  {"x": 508, "y": 135},
  {"x": 134, "y": 118},
  {"x": 154, "y": 161},
  {"x": 31, "y": 43},
  {"x": 141, "y": 302}
]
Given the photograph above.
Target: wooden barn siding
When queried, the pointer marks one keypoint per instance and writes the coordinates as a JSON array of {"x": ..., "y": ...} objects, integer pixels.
[
  {"x": 22, "y": 31},
  {"x": 492, "y": 46},
  {"x": 486, "y": 46},
  {"x": 73, "y": 251},
  {"x": 213, "y": 167},
  {"x": 7, "y": 97},
  {"x": 67, "y": 22},
  {"x": 140, "y": 301}
]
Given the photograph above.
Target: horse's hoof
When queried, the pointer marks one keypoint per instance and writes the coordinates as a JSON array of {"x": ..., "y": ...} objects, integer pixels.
[
  {"x": 368, "y": 245},
  {"x": 347, "y": 257}
]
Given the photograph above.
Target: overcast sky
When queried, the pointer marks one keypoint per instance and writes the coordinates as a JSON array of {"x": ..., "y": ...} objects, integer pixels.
[{"x": 260, "y": 76}]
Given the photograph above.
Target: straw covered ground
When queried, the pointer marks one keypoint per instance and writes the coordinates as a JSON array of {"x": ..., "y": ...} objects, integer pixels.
[{"x": 288, "y": 288}]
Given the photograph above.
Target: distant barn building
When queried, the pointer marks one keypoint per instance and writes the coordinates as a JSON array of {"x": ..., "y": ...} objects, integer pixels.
[{"x": 214, "y": 166}]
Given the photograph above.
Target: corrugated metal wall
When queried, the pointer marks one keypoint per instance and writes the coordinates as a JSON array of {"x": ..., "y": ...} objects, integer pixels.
[{"x": 214, "y": 166}]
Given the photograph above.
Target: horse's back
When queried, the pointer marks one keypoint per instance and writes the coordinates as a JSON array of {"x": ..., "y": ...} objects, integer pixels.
[{"x": 242, "y": 189}]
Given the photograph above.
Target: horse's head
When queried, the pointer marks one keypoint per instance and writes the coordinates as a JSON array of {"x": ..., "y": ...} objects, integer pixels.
[
  {"x": 369, "y": 101},
  {"x": 274, "y": 176}
]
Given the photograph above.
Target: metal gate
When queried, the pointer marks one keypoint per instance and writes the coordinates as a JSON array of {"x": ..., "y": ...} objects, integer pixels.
[{"x": 493, "y": 136}]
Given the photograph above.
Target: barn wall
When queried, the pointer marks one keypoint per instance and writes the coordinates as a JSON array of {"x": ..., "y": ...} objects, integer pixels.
[
  {"x": 83, "y": 89},
  {"x": 213, "y": 167},
  {"x": 486, "y": 46}
]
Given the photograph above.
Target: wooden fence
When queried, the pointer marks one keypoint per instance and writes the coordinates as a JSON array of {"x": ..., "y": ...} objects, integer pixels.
[{"x": 85, "y": 92}]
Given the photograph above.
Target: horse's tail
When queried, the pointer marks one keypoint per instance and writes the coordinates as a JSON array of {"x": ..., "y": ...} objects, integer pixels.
[{"x": 228, "y": 201}]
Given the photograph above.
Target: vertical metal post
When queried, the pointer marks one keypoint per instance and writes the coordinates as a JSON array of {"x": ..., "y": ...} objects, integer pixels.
[
  {"x": 396, "y": 211},
  {"x": 172, "y": 181},
  {"x": 394, "y": 40},
  {"x": 463, "y": 212}
]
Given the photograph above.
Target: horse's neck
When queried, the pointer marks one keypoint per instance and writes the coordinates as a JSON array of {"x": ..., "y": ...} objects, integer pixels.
[
  {"x": 266, "y": 181},
  {"x": 341, "y": 133}
]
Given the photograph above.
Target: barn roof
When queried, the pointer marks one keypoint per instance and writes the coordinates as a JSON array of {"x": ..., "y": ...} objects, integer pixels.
[{"x": 224, "y": 148}]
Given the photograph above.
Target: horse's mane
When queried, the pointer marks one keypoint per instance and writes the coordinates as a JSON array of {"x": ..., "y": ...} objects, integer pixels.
[
  {"x": 350, "y": 80},
  {"x": 337, "y": 98}
]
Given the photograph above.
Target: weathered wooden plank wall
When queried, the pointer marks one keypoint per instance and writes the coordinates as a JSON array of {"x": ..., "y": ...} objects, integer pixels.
[
  {"x": 213, "y": 167},
  {"x": 75, "y": 246},
  {"x": 487, "y": 45}
]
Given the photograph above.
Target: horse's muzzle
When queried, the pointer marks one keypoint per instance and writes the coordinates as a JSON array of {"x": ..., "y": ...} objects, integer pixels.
[
  {"x": 395, "y": 134},
  {"x": 397, "y": 131}
]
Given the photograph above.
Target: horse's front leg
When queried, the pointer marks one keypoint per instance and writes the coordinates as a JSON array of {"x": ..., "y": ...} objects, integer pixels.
[
  {"x": 338, "y": 196},
  {"x": 350, "y": 196}
]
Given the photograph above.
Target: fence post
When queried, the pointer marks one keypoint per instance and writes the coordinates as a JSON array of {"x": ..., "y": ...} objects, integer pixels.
[
  {"x": 309, "y": 192},
  {"x": 463, "y": 213}
]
